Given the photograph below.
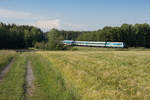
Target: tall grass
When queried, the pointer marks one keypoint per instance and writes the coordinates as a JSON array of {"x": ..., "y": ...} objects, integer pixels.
[
  {"x": 109, "y": 49},
  {"x": 93, "y": 74},
  {"x": 49, "y": 83},
  {"x": 105, "y": 75},
  {"x": 12, "y": 85},
  {"x": 5, "y": 57}
]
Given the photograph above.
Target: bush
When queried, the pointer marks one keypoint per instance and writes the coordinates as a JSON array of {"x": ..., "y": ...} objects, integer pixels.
[{"x": 40, "y": 45}]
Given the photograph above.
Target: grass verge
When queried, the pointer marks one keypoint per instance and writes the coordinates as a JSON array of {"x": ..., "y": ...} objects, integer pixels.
[
  {"x": 12, "y": 86},
  {"x": 5, "y": 57}
]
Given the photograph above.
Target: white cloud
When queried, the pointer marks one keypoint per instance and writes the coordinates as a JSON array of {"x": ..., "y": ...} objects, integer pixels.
[
  {"x": 75, "y": 25},
  {"x": 47, "y": 24},
  {"x": 4, "y": 13},
  {"x": 38, "y": 21},
  {"x": 80, "y": 27}
]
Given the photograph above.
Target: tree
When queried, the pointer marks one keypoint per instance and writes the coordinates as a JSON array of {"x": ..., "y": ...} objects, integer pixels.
[
  {"x": 54, "y": 40},
  {"x": 16, "y": 37}
]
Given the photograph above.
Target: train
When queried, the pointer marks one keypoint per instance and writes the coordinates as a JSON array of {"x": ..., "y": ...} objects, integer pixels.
[{"x": 94, "y": 44}]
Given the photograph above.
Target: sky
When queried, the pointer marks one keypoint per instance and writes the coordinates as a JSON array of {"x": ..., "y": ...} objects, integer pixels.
[{"x": 77, "y": 15}]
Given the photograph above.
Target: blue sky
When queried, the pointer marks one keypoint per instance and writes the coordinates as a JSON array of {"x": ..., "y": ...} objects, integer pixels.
[{"x": 74, "y": 14}]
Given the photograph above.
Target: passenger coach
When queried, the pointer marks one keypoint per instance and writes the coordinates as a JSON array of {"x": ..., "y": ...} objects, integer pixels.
[{"x": 94, "y": 44}]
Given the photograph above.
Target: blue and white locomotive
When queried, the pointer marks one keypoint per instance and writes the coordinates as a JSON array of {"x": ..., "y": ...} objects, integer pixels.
[{"x": 94, "y": 44}]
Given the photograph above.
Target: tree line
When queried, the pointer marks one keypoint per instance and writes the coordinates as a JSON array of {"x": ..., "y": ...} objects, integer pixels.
[
  {"x": 22, "y": 36},
  {"x": 137, "y": 35},
  {"x": 16, "y": 37}
]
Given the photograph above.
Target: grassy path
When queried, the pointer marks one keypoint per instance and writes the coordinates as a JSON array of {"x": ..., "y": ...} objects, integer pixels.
[
  {"x": 12, "y": 86},
  {"x": 49, "y": 83}
]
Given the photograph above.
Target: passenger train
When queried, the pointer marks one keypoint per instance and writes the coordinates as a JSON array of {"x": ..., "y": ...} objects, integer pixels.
[{"x": 95, "y": 44}]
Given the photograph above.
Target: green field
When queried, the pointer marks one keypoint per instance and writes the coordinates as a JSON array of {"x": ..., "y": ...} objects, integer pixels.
[{"x": 84, "y": 74}]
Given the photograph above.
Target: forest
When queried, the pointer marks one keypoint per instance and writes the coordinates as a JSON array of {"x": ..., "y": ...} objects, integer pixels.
[{"x": 14, "y": 36}]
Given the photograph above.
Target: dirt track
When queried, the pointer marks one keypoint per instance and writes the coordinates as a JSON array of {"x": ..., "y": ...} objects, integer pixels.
[
  {"x": 6, "y": 70},
  {"x": 29, "y": 81}
]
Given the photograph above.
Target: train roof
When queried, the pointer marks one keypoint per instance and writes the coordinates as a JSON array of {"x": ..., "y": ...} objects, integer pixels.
[{"x": 93, "y": 41}]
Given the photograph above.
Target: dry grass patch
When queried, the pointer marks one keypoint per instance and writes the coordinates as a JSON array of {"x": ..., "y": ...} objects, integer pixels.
[{"x": 106, "y": 75}]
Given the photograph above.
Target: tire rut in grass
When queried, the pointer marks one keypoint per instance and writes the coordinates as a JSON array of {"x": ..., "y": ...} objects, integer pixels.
[
  {"x": 6, "y": 69},
  {"x": 29, "y": 79}
]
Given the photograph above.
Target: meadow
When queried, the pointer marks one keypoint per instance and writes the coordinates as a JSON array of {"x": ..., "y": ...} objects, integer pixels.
[
  {"x": 103, "y": 74},
  {"x": 84, "y": 74}
]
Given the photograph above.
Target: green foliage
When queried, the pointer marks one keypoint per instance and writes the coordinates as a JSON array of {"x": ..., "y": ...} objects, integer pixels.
[
  {"x": 54, "y": 40},
  {"x": 137, "y": 35},
  {"x": 87, "y": 36},
  {"x": 40, "y": 45},
  {"x": 71, "y": 35},
  {"x": 15, "y": 37}
]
